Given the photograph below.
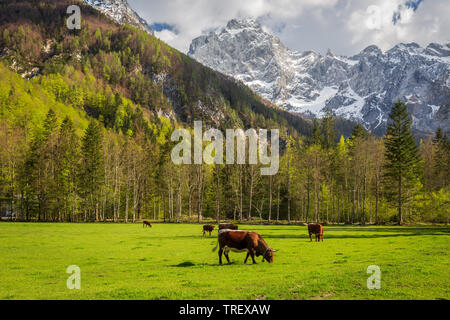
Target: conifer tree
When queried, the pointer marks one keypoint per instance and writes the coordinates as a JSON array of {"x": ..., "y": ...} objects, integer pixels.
[
  {"x": 441, "y": 159},
  {"x": 329, "y": 133},
  {"x": 359, "y": 132},
  {"x": 92, "y": 168},
  {"x": 402, "y": 156},
  {"x": 316, "y": 135},
  {"x": 67, "y": 157}
]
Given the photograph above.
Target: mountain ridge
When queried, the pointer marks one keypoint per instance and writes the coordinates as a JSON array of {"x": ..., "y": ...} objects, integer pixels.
[
  {"x": 361, "y": 88},
  {"x": 156, "y": 79},
  {"x": 121, "y": 12}
]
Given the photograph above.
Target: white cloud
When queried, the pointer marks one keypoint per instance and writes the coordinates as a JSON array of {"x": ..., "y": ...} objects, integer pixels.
[
  {"x": 166, "y": 36},
  {"x": 304, "y": 24},
  {"x": 428, "y": 24}
]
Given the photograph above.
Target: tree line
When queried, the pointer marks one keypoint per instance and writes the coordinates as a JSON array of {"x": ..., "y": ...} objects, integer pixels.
[
  {"x": 115, "y": 94},
  {"x": 100, "y": 175}
]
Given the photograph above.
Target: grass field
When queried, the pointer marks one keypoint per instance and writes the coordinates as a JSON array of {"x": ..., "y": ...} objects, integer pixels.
[{"x": 121, "y": 261}]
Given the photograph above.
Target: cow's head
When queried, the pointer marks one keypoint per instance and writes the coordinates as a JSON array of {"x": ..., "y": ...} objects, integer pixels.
[{"x": 268, "y": 255}]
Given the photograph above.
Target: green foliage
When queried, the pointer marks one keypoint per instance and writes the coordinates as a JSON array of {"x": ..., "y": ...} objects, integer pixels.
[
  {"x": 359, "y": 132},
  {"x": 122, "y": 92},
  {"x": 441, "y": 167},
  {"x": 402, "y": 156},
  {"x": 317, "y": 135},
  {"x": 329, "y": 132},
  {"x": 92, "y": 169}
]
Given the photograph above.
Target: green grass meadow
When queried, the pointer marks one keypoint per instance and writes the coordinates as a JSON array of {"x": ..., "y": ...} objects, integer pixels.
[{"x": 169, "y": 261}]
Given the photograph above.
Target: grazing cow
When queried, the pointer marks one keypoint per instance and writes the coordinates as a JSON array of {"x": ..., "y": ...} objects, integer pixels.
[
  {"x": 243, "y": 241},
  {"x": 146, "y": 224},
  {"x": 228, "y": 226},
  {"x": 208, "y": 228},
  {"x": 317, "y": 230}
]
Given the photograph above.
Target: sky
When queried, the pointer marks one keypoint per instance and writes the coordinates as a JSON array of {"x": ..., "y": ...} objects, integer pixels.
[{"x": 344, "y": 26}]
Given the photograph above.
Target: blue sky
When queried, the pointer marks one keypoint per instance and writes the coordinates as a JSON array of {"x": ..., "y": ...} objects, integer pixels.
[
  {"x": 414, "y": 5},
  {"x": 158, "y": 27},
  {"x": 344, "y": 26}
]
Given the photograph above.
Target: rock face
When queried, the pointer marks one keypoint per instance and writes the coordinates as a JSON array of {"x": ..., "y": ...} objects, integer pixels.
[
  {"x": 360, "y": 88},
  {"x": 121, "y": 12}
]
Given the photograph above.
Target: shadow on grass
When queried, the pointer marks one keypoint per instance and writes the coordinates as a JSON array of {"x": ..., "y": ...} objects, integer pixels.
[
  {"x": 190, "y": 264},
  {"x": 371, "y": 228},
  {"x": 347, "y": 232},
  {"x": 377, "y": 233},
  {"x": 185, "y": 264}
]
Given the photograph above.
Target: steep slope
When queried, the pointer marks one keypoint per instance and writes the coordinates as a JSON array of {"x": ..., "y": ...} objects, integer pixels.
[
  {"x": 102, "y": 64},
  {"x": 121, "y": 12},
  {"x": 360, "y": 88}
]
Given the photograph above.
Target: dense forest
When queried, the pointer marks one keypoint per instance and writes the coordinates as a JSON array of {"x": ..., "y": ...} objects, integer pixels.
[{"x": 86, "y": 118}]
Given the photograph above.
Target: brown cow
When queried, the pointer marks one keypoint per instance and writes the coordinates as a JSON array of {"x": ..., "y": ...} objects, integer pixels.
[
  {"x": 243, "y": 241},
  {"x": 146, "y": 224},
  {"x": 228, "y": 226},
  {"x": 208, "y": 228},
  {"x": 317, "y": 230}
]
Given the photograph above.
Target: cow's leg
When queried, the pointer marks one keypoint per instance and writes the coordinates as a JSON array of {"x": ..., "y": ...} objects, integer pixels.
[
  {"x": 248, "y": 255},
  {"x": 310, "y": 236},
  {"x": 220, "y": 255},
  {"x": 253, "y": 256},
  {"x": 226, "y": 256},
  {"x": 203, "y": 232}
]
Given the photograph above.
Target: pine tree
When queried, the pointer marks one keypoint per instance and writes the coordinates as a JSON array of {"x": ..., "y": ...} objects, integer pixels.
[
  {"x": 67, "y": 160},
  {"x": 329, "y": 132},
  {"x": 359, "y": 132},
  {"x": 316, "y": 135},
  {"x": 50, "y": 124},
  {"x": 92, "y": 168},
  {"x": 441, "y": 160},
  {"x": 402, "y": 156},
  {"x": 38, "y": 170}
]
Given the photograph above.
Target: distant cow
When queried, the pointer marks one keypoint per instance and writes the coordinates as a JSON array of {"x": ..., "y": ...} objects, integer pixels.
[
  {"x": 208, "y": 228},
  {"x": 317, "y": 230},
  {"x": 146, "y": 224},
  {"x": 228, "y": 226},
  {"x": 243, "y": 241}
]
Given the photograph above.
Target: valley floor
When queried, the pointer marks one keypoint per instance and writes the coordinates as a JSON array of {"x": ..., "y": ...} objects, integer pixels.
[{"x": 126, "y": 261}]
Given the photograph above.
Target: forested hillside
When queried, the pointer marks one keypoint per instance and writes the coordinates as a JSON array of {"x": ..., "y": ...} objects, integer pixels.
[
  {"x": 36, "y": 41},
  {"x": 86, "y": 118}
]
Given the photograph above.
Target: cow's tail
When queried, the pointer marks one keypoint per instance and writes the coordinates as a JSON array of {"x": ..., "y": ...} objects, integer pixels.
[{"x": 215, "y": 248}]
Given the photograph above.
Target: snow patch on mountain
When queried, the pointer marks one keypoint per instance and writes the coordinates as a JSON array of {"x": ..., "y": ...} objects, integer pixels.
[
  {"x": 361, "y": 88},
  {"x": 121, "y": 12}
]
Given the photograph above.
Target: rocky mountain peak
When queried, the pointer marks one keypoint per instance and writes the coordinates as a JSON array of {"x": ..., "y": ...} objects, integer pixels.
[
  {"x": 121, "y": 12},
  {"x": 362, "y": 88},
  {"x": 243, "y": 24},
  {"x": 436, "y": 49},
  {"x": 372, "y": 50},
  {"x": 330, "y": 53}
]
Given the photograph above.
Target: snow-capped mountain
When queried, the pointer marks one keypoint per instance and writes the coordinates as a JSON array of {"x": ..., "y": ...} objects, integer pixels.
[
  {"x": 361, "y": 88},
  {"x": 121, "y": 12}
]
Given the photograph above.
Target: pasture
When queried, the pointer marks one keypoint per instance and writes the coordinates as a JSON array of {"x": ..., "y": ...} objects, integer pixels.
[{"x": 168, "y": 261}]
